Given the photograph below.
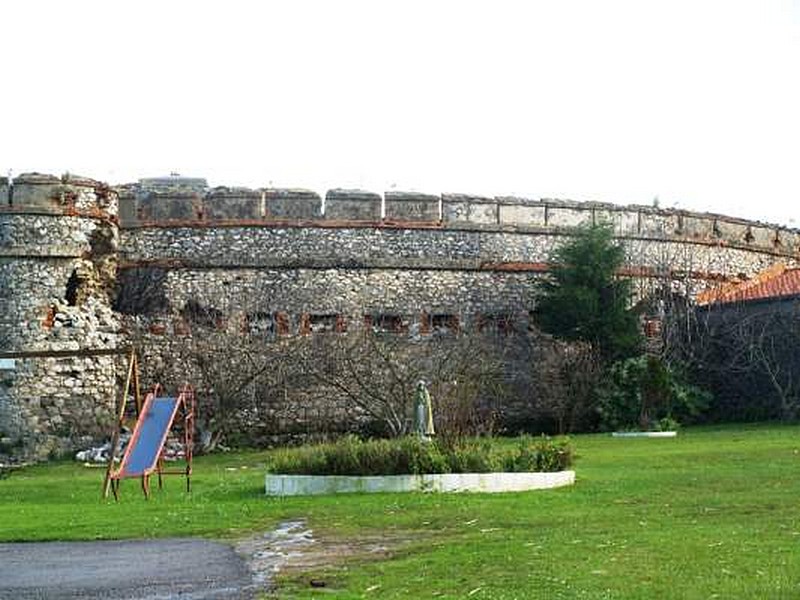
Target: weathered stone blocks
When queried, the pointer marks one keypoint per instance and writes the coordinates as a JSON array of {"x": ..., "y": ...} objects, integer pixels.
[
  {"x": 463, "y": 208},
  {"x": 168, "y": 202},
  {"x": 625, "y": 222},
  {"x": 658, "y": 224},
  {"x": 696, "y": 226},
  {"x": 565, "y": 215},
  {"x": 224, "y": 203},
  {"x": 36, "y": 190},
  {"x": 521, "y": 212},
  {"x": 731, "y": 231},
  {"x": 58, "y": 249},
  {"x": 128, "y": 208},
  {"x": 5, "y": 192},
  {"x": 352, "y": 205},
  {"x": 171, "y": 206},
  {"x": 291, "y": 204},
  {"x": 788, "y": 240},
  {"x": 762, "y": 236},
  {"x": 411, "y": 206}
]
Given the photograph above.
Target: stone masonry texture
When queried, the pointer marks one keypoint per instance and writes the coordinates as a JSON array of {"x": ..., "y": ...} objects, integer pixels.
[{"x": 87, "y": 267}]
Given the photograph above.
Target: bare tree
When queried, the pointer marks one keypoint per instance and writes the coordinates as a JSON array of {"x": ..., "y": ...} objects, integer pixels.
[
  {"x": 236, "y": 374},
  {"x": 378, "y": 372},
  {"x": 766, "y": 345},
  {"x": 747, "y": 355},
  {"x": 557, "y": 380}
]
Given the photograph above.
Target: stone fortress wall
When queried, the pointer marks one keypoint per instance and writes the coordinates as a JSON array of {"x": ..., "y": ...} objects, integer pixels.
[
  {"x": 287, "y": 262},
  {"x": 58, "y": 259},
  {"x": 289, "y": 254}
]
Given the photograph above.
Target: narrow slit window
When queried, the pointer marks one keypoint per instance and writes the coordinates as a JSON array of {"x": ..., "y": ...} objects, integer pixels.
[
  {"x": 387, "y": 323},
  {"x": 444, "y": 323},
  {"x": 261, "y": 323}
]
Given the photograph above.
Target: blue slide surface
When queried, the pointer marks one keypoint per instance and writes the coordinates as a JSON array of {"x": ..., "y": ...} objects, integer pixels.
[{"x": 154, "y": 423}]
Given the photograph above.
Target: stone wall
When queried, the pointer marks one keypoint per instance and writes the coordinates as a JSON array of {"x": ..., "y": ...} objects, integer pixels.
[
  {"x": 269, "y": 206},
  {"x": 412, "y": 253},
  {"x": 58, "y": 260},
  {"x": 280, "y": 246},
  {"x": 286, "y": 262}
]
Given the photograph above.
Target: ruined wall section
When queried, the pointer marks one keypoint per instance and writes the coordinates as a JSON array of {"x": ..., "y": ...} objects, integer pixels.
[{"x": 58, "y": 244}]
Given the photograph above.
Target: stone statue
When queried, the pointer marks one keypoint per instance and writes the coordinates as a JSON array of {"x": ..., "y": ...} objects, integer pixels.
[{"x": 423, "y": 422}]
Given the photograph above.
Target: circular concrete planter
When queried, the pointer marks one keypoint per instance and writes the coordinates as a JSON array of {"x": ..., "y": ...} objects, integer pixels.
[
  {"x": 303, "y": 485},
  {"x": 644, "y": 434}
]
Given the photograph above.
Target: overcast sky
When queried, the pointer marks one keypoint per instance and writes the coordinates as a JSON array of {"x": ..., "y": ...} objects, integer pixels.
[{"x": 694, "y": 102}]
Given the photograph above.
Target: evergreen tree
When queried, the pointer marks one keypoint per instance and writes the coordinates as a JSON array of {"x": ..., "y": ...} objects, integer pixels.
[{"x": 585, "y": 300}]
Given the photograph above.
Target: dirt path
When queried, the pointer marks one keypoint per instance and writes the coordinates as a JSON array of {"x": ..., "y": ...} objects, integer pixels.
[{"x": 292, "y": 546}]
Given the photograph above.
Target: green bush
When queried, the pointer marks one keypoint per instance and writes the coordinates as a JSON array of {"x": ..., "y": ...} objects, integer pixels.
[
  {"x": 410, "y": 455},
  {"x": 474, "y": 456},
  {"x": 542, "y": 454},
  {"x": 646, "y": 393}
]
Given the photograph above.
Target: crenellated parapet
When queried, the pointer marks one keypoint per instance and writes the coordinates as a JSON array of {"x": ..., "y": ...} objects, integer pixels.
[
  {"x": 223, "y": 206},
  {"x": 68, "y": 195}
]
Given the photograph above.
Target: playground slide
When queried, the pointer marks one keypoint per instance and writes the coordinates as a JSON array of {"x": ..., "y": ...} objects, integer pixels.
[{"x": 148, "y": 437}]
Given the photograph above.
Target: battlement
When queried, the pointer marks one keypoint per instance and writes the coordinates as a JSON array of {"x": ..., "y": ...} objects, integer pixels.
[
  {"x": 182, "y": 201},
  {"x": 47, "y": 194},
  {"x": 222, "y": 206}
]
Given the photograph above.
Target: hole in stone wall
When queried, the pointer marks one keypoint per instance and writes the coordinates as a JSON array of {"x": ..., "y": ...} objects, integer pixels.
[
  {"x": 71, "y": 292},
  {"x": 204, "y": 316},
  {"x": 322, "y": 323},
  {"x": 444, "y": 323},
  {"x": 387, "y": 323},
  {"x": 101, "y": 240},
  {"x": 531, "y": 321},
  {"x": 141, "y": 291},
  {"x": 439, "y": 324},
  {"x": 260, "y": 323}
]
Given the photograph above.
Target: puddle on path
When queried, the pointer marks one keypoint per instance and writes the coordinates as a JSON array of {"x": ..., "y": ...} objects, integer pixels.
[{"x": 292, "y": 546}]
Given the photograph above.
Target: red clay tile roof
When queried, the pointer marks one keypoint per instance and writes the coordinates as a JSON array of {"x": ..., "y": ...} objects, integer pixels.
[{"x": 774, "y": 282}]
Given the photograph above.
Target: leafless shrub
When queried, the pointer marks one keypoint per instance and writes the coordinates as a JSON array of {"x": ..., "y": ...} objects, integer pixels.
[
  {"x": 746, "y": 354},
  {"x": 563, "y": 377},
  {"x": 378, "y": 373}
]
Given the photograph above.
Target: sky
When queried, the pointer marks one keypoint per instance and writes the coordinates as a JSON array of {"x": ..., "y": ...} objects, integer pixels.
[{"x": 693, "y": 104}]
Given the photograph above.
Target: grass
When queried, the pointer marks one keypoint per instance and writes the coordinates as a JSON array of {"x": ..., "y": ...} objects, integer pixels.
[{"x": 714, "y": 513}]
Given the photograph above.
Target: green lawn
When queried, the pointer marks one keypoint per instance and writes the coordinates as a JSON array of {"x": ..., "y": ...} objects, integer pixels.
[{"x": 714, "y": 513}]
